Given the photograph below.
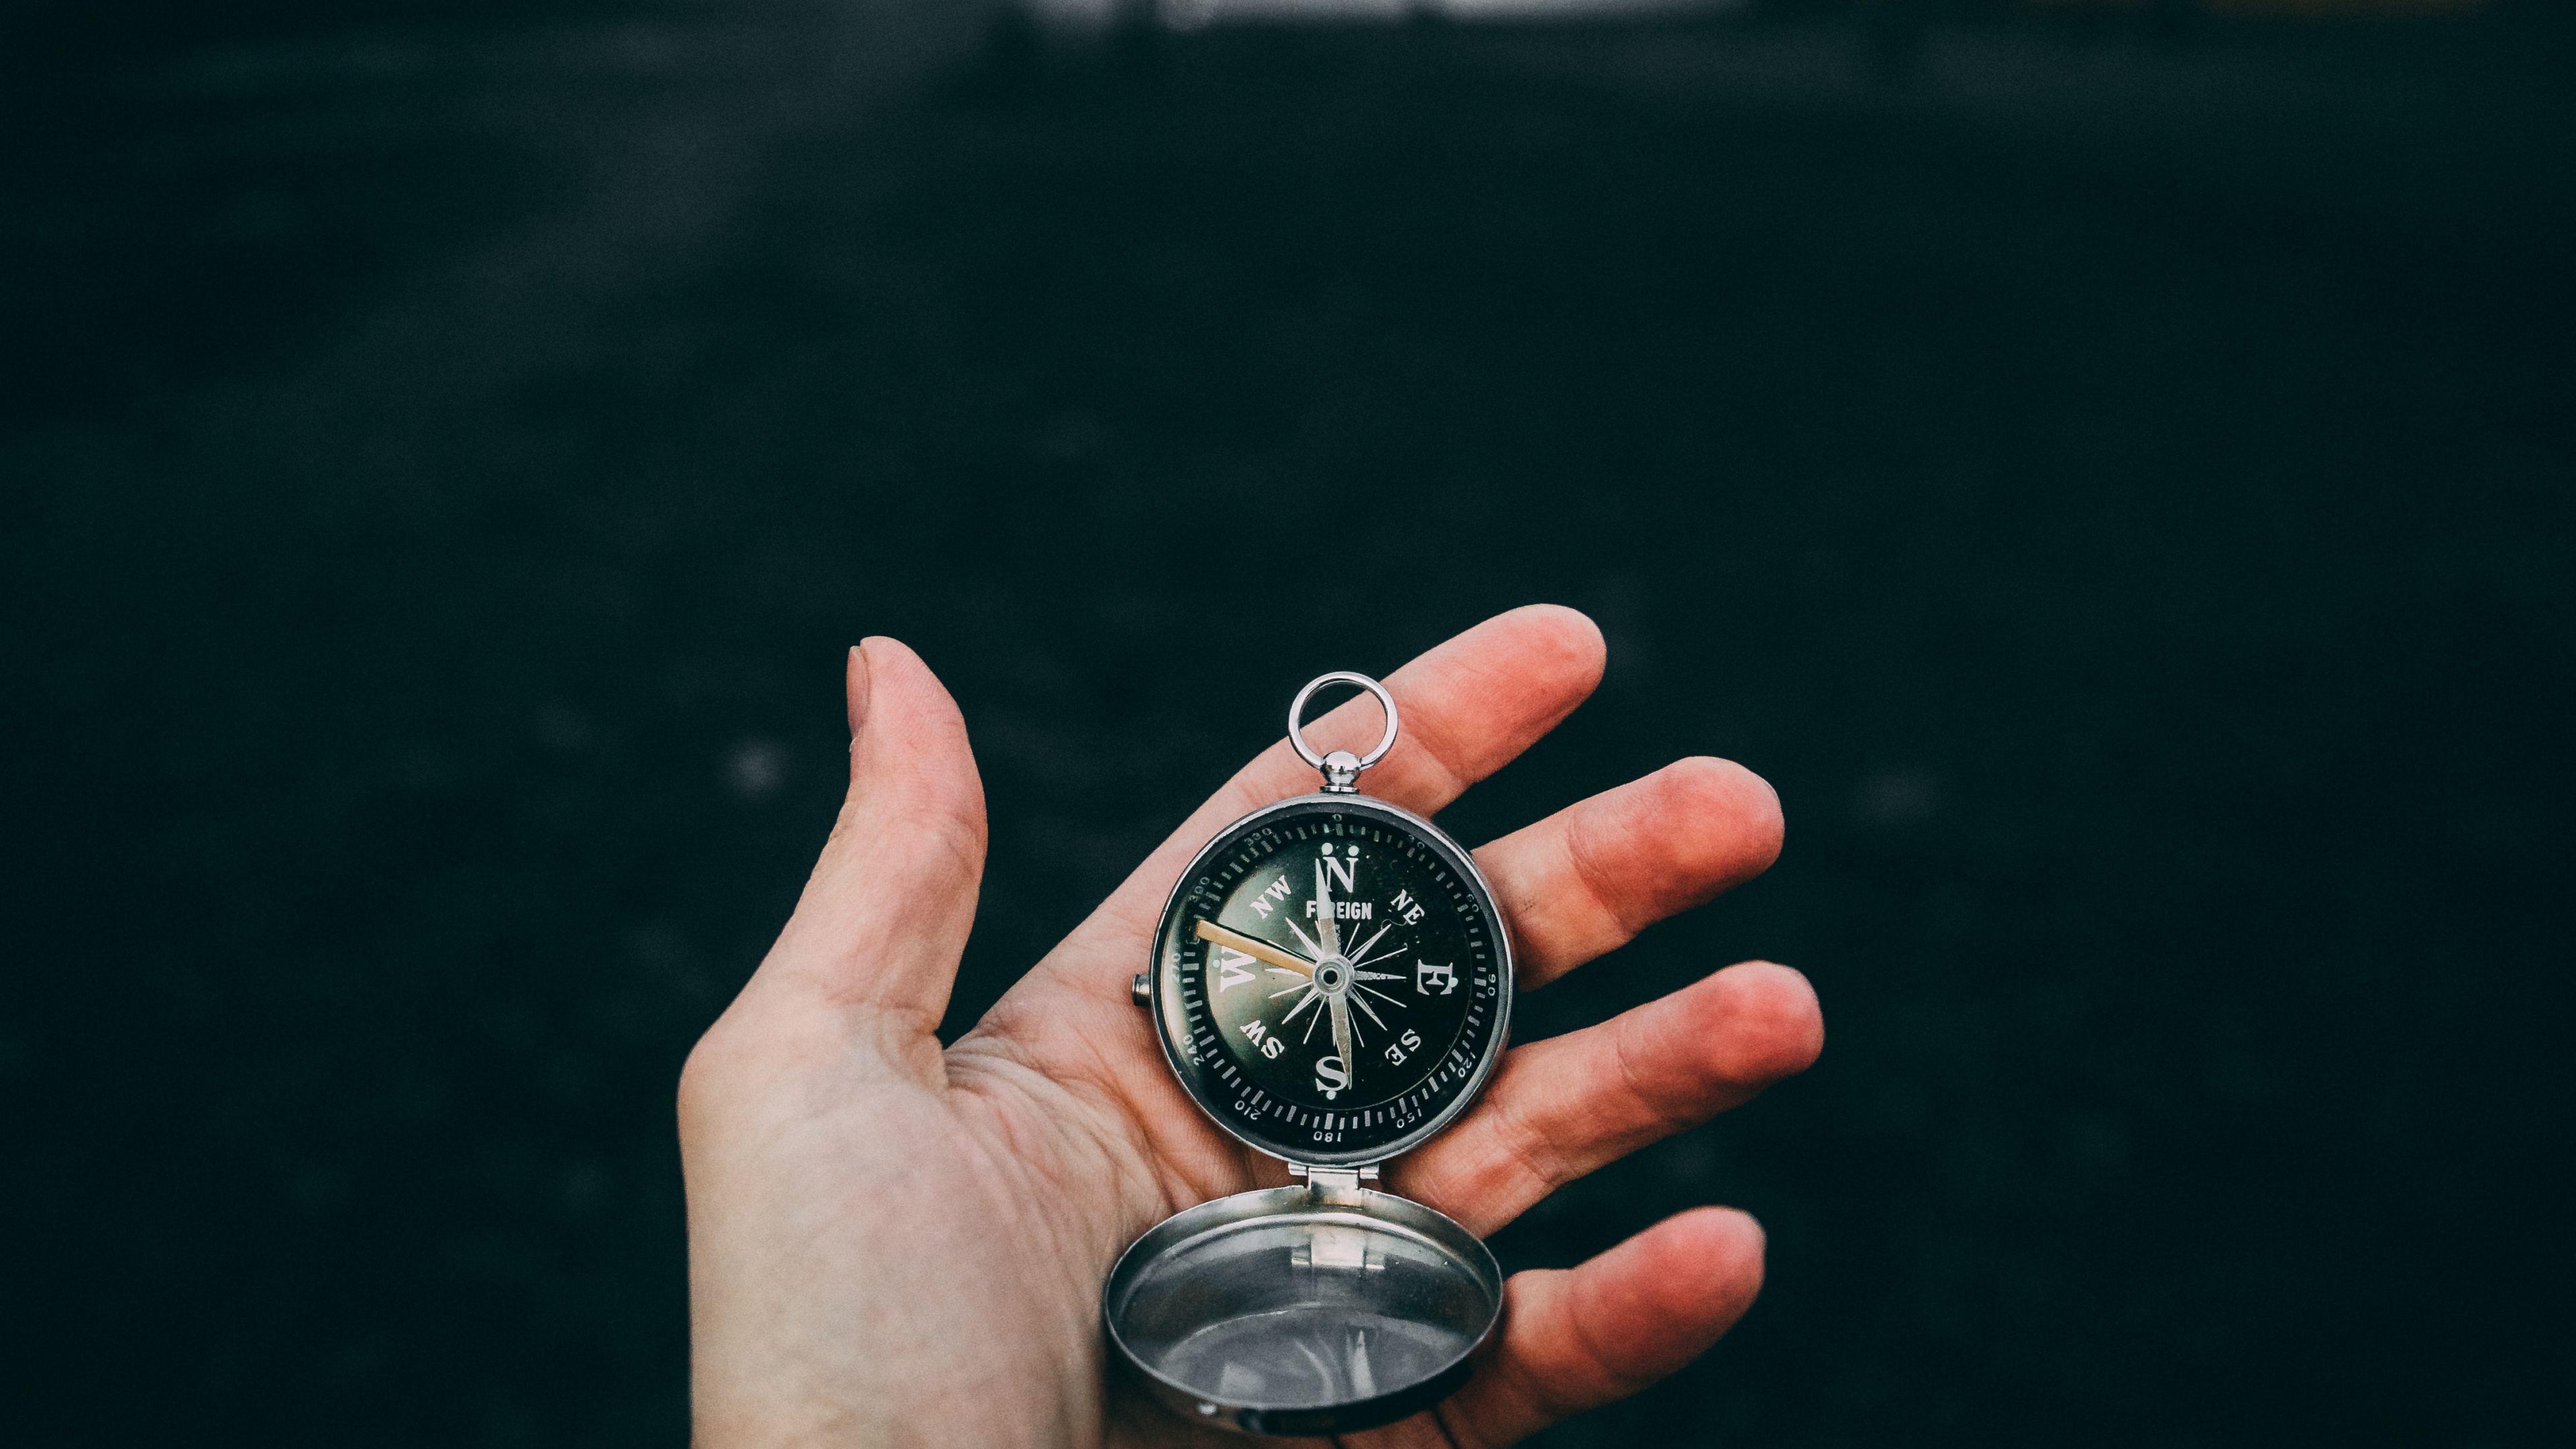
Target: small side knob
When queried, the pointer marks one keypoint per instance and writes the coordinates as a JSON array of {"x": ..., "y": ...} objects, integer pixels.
[{"x": 1140, "y": 990}]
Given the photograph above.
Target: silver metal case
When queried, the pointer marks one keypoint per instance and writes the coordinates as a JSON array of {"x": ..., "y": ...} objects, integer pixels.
[
  {"x": 1172, "y": 1030},
  {"x": 1328, "y": 1307},
  {"x": 1254, "y": 1276}
]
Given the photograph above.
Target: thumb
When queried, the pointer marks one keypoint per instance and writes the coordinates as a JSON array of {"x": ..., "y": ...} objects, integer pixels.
[{"x": 879, "y": 929}]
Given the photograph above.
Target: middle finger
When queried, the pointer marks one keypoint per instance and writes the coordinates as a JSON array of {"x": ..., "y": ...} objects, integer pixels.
[
  {"x": 1562, "y": 1107},
  {"x": 1587, "y": 879}
]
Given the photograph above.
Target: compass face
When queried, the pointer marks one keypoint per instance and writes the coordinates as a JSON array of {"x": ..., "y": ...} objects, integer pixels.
[{"x": 1332, "y": 980}]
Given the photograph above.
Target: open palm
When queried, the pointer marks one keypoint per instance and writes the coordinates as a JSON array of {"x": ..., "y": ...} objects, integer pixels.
[{"x": 895, "y": 1243}]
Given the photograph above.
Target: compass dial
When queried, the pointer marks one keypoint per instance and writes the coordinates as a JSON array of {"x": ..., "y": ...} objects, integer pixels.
[{"x": 1332, "y": 980}]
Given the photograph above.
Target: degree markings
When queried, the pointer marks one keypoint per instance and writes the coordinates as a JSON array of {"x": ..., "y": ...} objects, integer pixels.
[{"x": 1200, "y": 1006}]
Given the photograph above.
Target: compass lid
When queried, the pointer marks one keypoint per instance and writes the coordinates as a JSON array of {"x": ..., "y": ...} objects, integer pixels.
[{"x": 1321, "y": 1309}]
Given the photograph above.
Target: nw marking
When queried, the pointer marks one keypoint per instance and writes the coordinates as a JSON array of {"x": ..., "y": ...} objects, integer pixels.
[{"x": 1270, "y": 895}]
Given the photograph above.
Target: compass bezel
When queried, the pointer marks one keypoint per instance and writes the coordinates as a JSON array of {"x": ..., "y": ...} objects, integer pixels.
[{"x": 1171, "y": 1021}]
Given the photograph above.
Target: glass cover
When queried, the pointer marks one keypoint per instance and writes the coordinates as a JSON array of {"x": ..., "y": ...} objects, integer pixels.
[{"x": 1332, "y": 981}]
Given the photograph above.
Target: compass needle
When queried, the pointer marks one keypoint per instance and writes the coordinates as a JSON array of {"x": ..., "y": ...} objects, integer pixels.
[
  {"x": 1341, "y": 1009},
  {"x": 1252, "y": 946},
  {"x": 1326, "y": 930}
]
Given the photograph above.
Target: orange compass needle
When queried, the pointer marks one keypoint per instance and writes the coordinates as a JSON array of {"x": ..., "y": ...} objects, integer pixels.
[{"x": 1207, "y": 930}]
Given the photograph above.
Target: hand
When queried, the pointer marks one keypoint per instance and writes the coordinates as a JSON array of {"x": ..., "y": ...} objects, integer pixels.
[{"x": 894, "y": 1244}]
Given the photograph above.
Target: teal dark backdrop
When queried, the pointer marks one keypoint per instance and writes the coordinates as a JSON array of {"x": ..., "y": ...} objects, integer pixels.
[{"x": 2113, "y": 478}]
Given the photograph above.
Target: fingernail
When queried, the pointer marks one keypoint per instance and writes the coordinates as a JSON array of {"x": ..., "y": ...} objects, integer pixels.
[{"x": 855, "y": 685}]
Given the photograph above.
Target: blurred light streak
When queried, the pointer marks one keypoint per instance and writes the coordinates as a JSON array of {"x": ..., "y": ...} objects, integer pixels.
[{"x": 1198, "y": 14}]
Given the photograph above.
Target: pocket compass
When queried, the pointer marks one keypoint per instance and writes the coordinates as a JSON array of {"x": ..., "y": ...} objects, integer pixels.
[{"x": 1332, "y": 984}]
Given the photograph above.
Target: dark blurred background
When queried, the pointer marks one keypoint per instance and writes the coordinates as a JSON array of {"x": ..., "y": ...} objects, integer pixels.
[{"x": 2110, "y": 469}]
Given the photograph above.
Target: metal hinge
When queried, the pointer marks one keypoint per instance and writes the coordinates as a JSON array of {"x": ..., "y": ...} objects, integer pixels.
[{"x": 1327, "y": 1179}]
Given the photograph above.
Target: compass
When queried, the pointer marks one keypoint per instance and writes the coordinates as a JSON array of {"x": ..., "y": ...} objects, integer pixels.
[{"x": 1332, "y": 984}]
